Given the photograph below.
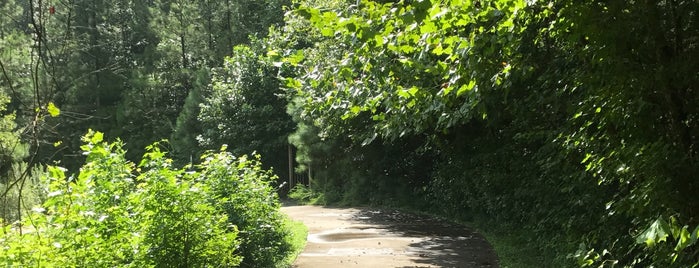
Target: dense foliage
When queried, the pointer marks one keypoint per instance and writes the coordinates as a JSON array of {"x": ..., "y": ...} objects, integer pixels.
[
  {"x": 245, "y": 110},
  {"x": 125, "y": 67},
  {"x": 115, "y": 213},
  {"x": 139, "y": 70},
  {"x": 241, "y": 188},
  {"x": 574, "y": 121}
]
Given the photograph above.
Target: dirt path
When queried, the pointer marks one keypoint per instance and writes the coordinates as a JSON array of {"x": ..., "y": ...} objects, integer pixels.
[{"x": 349, "y": 237}]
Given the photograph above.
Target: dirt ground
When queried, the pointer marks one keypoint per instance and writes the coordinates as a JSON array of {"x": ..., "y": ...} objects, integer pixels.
[{"x": 356, "y": 237}]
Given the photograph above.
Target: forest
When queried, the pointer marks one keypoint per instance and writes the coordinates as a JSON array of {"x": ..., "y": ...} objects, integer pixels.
[{"x": 159, "y": 132}]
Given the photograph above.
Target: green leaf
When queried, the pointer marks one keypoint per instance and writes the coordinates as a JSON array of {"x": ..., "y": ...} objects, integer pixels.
[
  {"x": 428, "y": 27},
  {"x": 411, "y": 103},
  {"x": 355, "y": 109},
  {"x": 272, "y": 53},
  {"x": 379, "y": 40},
  {"x": 463, "y": 21},
  {"x": 587, "y": 157},
  {"x": 683, "y": 239},
  {"x": 292, "y": 83},
  {"x": 295, "y": 58},
  {"x": 467, "y": 87},
  {"x": 413, "y": 90},
  {"x": 658, "y": 231},
  {"x": 406, "y": 49},
  {"x": 438, "y": 50},
  {"x": 329, "y": 16},
  {"x": 403, "y": 93},
  {"x": 97, "y": 137},
  {"x": 53, "y": 110},
  {"x": 57, "y": 172},
  {"x": 327, "y": 32},
  {"x": 437, "y": 12}
]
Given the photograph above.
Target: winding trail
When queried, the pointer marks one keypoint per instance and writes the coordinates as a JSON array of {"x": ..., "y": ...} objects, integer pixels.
[{"x": 363, "y": 237}]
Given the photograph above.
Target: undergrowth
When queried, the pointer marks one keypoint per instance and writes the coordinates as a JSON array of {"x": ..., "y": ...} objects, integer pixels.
[
  {"x": 221, "y": 213},
  {"x": 307, "y": 196}
]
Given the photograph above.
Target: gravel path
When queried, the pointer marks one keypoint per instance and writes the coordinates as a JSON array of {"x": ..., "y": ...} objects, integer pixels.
[{"x": 359, "y": 237}]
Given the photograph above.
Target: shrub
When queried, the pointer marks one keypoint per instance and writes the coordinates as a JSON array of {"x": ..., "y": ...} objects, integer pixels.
[
  {"x": 244, "y": 192},
  {"x": 115, "y": 213}
]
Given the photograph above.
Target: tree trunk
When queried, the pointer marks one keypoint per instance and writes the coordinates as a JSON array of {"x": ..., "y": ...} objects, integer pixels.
[{"x": 291, "y": 167}]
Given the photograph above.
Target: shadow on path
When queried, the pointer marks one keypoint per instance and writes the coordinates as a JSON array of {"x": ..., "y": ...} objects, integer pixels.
[
  {"x": 444, "y": 244},
  {"x": 366, "y": 237}
]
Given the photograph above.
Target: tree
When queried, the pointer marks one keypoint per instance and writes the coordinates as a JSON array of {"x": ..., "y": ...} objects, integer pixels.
[
  {"x": 12, "y": 174},
  {"x": 26, "y": 109},
  {"x": 524, "y": 101},
  {"x": 245, "y": 110},
  {"x": 184, "y": 138}
]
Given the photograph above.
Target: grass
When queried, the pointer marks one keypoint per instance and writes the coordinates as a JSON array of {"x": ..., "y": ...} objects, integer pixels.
[{"x": 296, "y": 238}]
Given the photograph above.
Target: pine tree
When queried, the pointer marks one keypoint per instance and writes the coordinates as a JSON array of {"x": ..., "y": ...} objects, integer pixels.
[{"x": 184, "y": 139}]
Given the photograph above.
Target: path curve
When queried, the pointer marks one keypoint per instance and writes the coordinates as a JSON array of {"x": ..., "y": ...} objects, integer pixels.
[{"x": 364, "y": 237}]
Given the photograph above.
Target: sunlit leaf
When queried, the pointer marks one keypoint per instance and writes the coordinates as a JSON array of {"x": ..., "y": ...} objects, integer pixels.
[
  {"x": 53, "y": 110},
  {"x": 657, "y": 232},
  {"x": 466, "y": 87},
  {"x": 97, "y": 137}
]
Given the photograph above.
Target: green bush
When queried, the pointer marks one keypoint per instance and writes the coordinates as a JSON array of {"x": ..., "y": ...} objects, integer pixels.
[
  {"x": 221, "y": 213},
  {"x": 243, "y": 190},
  {"x": 184, "y": 226}
]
